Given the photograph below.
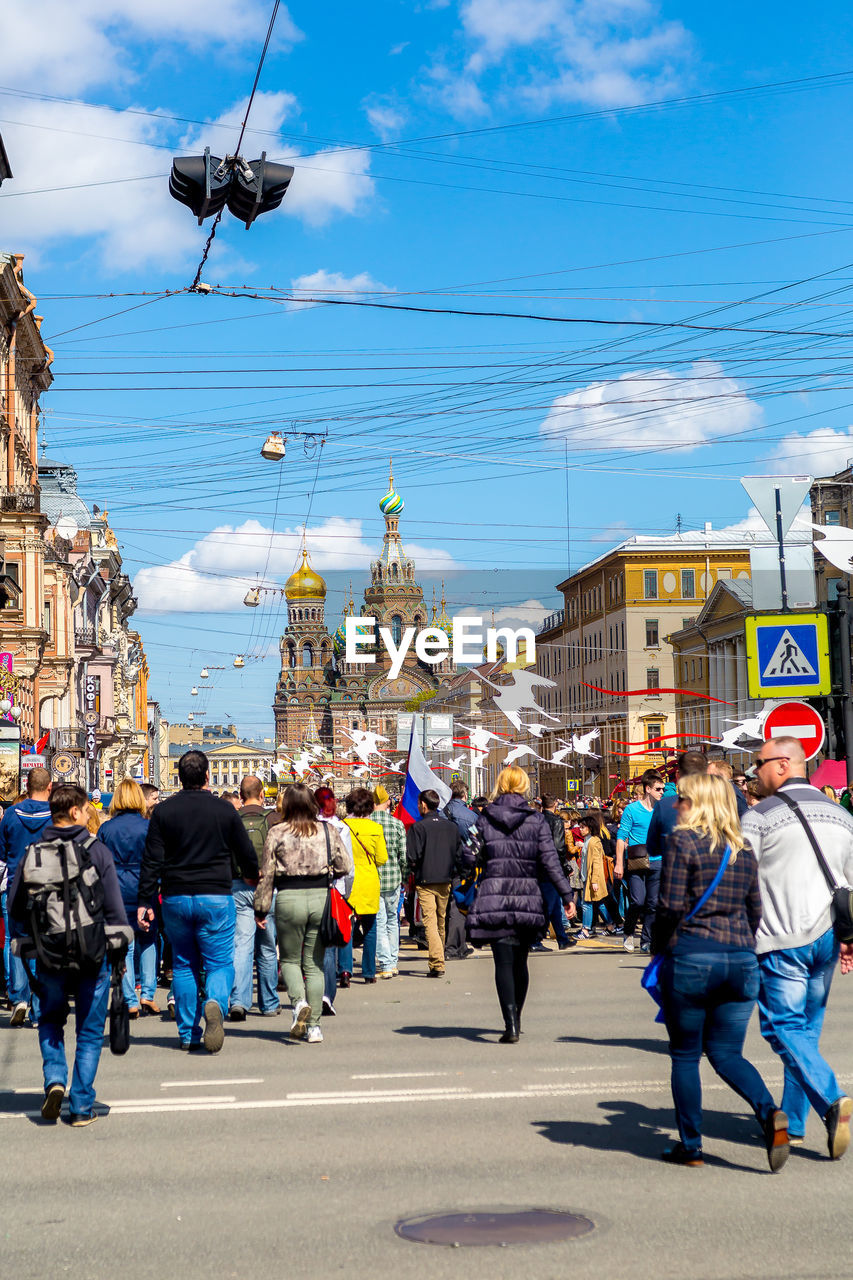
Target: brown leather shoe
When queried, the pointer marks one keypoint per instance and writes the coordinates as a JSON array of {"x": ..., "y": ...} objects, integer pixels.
[
  {"x": 149, "y": 1008},
  {"x": 344, "y": 979}
]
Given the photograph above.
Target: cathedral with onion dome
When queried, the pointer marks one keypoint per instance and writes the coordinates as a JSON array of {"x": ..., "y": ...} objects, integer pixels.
[{"x": 319, "y": 697}]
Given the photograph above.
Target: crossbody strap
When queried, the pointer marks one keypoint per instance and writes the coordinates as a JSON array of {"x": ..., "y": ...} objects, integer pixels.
[
  {"x": 697, "y": 906},
  {"x": 370, "y": 856},
  {"x": 806, "y": 825},
  {"x": 328, "y": 850}
]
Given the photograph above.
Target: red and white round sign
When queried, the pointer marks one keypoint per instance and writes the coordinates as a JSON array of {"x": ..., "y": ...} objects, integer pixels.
[{"x": 796, "y": 720}]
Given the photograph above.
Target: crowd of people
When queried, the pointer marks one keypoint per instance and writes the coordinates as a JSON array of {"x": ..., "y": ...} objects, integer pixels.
[{"x": 734, "y": 882}]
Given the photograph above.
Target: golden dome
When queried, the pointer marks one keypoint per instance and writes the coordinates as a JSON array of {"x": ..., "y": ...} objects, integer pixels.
[{"x": 304, "y": 583}]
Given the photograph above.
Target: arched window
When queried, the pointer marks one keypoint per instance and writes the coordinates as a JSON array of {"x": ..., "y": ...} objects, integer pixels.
[
  {"x": 419, "y": 622},
  {"x": 396, "y": 628},
  {"x": 307, "y": 656},
  {"x": 291, "y": 656}
]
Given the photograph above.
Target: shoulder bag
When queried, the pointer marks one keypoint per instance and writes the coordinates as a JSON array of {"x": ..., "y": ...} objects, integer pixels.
[
  {"x": 119, "y": 1013},
  {"x": 336, "y": 921},
  {"x": 651, "y": 979},
  {"x": 842, "y": 895}
]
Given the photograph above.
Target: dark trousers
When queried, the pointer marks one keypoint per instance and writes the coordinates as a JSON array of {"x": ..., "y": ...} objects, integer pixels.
[
  {"x": 709, "y": 997},
  {"x": 554, "y": 911},
  {"x": 511, "y": 977},
  {"x": 643, "y": 895},
  {"x": 455, "y": 941}
]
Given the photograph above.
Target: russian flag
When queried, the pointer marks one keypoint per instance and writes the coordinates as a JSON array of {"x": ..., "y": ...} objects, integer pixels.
[{"x": 419, "y": 777}]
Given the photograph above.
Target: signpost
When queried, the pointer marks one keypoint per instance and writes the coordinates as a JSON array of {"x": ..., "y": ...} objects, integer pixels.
[
  {"x": 572, "y": 784},
  {"x": 782, "y": 575},
  {"x": 796, "y": 720},
  {"x": 787, "y": 655}
]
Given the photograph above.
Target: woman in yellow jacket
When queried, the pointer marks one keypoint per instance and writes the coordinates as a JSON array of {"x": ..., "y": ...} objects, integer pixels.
[{"x": 369, "y": 852}]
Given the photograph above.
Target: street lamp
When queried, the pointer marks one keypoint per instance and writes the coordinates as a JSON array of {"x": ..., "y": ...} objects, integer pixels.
[{"x": 273, "y": 448}]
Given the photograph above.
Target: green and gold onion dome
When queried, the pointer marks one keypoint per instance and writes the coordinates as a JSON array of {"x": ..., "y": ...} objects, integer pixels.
[
  {"x": 304, "y": 583},
  {"x": 392, "y": 504}
]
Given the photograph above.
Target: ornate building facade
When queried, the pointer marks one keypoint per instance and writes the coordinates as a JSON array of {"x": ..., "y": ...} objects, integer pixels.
[{"x": 320, "y": 698}]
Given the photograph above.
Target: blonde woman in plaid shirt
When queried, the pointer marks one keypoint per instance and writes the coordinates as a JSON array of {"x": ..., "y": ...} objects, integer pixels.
[{"x": 391, "y": 876}]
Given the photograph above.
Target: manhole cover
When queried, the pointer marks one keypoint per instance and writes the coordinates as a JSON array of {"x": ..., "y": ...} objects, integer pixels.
[{"x": 503, "y": 1227}]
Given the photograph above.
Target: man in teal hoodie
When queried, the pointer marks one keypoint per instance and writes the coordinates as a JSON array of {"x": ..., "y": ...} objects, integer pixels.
[{"x": 21, "y": 826}]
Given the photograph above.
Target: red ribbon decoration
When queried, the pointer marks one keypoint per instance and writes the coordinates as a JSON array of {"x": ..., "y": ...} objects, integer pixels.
[{"x": 636, "y": 693}]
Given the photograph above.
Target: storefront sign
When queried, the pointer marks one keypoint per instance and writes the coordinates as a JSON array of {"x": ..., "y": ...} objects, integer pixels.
[
  {"x": 10, "y": 763},
  {"x": 91, "y": 717}
]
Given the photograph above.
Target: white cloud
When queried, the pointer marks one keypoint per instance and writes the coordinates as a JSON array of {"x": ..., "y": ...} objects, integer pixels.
[
  {"x": 71, "y": 46},
  {"x": 652, "y": 410},
  {"x": 529, "y": 612},
  {"x": 820, "y": 453},
  {"x": 398, "y": 48},
  {"x": 215, "y": 574},
  {"x": 386, "y": 119},
  {"x": 334, "y": 282},
  {"x": 617, "y": 531},
  {"x": 601, "y": 52},
  {"x": 328, "y": 183}
]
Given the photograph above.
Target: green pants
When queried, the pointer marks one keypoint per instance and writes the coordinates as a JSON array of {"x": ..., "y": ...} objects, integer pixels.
[{"x": 298, "y": 913}]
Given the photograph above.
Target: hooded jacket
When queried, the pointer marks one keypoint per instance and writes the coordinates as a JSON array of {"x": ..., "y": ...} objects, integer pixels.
[
  {"x": 124, "y": 835},
  {"x": 22, "y": 825},
  {"x": 518, "y": 853}
]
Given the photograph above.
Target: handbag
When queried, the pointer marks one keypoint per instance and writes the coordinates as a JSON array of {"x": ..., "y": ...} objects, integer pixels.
[
  {"x": 652, "y": 974},
  {"x": 336, "y": 920},
  {"x": 640, "y": 860},
  {"x": 842, "y": 895},
  {"x": 119, "y": 1013}
]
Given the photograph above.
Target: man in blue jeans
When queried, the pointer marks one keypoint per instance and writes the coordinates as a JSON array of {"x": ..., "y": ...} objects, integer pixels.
[
  {"x": 253, "y": 943},
  {"x": 90, "y": 986},
  {"x": 796, "y": 944},
  {"x": 194, "y": 839}
]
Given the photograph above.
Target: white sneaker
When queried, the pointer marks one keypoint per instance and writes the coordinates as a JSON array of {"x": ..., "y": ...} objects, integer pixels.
[
  {"x": 19, "y": 1014},
  {"x": 314, "y": 1036},
  {"x": 301, "y": 1014},
  {"x": 628, "y": 944}
]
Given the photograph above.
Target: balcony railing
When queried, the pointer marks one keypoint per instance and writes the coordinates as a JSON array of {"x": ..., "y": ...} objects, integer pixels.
[
  {"x": 87, "y": 637},
  {"x": 18, "y": 499}
]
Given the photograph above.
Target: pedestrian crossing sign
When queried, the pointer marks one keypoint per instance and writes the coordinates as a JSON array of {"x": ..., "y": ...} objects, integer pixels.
[{"x": 787, "y": 655}]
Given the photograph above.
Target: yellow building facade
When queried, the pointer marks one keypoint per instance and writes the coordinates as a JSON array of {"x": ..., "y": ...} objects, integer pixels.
[{"x": 609, "y": 654}]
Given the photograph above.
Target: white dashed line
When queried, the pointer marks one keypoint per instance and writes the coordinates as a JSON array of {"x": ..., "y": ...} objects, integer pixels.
[{"x": 209, "y": 1084}]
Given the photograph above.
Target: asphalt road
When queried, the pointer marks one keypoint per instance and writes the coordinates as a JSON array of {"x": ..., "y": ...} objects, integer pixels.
[{"x": 280, "y": 1158}]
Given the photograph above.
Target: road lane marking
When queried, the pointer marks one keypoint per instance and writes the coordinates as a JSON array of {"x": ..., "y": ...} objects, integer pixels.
[
  {"x": 400, "y": 1075},
  {"x": 208, "y": 1084},
  {"x": 346, "y": 1094},
  {"x": 168, "y": 1103}
]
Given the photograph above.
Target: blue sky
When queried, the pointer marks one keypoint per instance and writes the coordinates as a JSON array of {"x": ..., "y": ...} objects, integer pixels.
[{"x": 479, "y": 155}]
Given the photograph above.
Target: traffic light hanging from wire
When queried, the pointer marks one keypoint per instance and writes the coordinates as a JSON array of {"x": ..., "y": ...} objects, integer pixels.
[{"x": 206, "y": 184}]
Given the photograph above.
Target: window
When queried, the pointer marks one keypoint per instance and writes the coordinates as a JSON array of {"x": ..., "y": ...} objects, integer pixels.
[
  {"x": 307, "y": 656},
  {"x": 654, "y": 740},
  {"x": 687, "y": 622},
  {"x": 688, "y": 584},
  {"x": 652, "y": 633},
  {"x": 652, "y": 678},
  {"x": 396, "y": 628},
  {"x": 724, "y": 575},
  {"x": 47, "y": 619},
  {"x": 692, "y": 668},
  {"x": 832, "y": 517},
  {"x": 650, "y": 584}
]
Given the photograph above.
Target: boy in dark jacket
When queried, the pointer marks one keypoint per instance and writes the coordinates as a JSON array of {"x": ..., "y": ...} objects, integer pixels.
[
  {"x": 433, "y": 849},
  {"x": 89, "y": 989}
]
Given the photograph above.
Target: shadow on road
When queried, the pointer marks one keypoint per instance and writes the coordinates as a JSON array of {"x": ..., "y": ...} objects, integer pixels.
[
  {"x": 646, "y": 1046},
  {"x": 484, "y": 1035},
  {"x": 644, "y": 1132}
]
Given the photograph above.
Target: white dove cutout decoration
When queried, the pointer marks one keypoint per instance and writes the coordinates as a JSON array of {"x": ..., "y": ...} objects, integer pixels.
[
  {"x": 479, "y": 739},
  {"x": 363, "y": 771},
  {"x": 517, "y": 753},
  {"x": 365, "y": 743},
  {"x": 581, "y": 745},
  {"x": 559, "y": 756},
  {"x": 279, "y": 768},
  {"x": 538, "y": 729},
  {"x": 751, "y": 728},
  {"x": 303, "y": 763},
  {"x": 456, "y": 762},
  {"x": 512, "y": 699},
  {"x": 836, "y": 545}
]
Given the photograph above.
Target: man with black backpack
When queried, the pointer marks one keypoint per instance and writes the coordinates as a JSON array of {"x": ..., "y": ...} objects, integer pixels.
[
  {"x": 195, "y": 841},
  {"x": 253, "y": 943},
  {"x": 66, "y": 902}
]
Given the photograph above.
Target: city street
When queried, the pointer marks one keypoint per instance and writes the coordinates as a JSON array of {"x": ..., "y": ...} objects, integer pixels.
[{"x": 283, "y": 1158}]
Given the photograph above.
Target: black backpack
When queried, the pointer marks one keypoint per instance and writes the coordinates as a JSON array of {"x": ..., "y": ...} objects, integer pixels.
[{"x": 65, "y": 906}]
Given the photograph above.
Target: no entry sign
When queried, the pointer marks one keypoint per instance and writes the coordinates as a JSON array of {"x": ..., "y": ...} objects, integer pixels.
[{"x": 796, "y": 720}]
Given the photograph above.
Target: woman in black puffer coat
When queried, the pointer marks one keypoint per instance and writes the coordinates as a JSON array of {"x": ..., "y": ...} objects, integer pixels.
[{"x": 516, "y": 852}]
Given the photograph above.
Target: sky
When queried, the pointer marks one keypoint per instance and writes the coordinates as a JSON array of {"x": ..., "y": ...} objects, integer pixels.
[{"x": 653, "y": 197}]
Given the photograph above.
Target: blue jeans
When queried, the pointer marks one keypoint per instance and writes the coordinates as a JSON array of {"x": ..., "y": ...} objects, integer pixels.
[
  {"x": 589, "y": 912},
  {"x": 141, "y": 963},
  {"x": 330, "y": 972},
  {"x": 368, "y": 949},
  {"x": 554, "y": 910},
  {"x": 90, "y": 1012},
  {"x": 7, "y": 941},
  {"x": 709, "y": 997},
  {"x": 251, "y": 945},
  {"x": 794, "y": 991},
  {"x": 200, "y": 928},
  {"x": 643, "y": 895},
  {"x": 388, "y": 930}
]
